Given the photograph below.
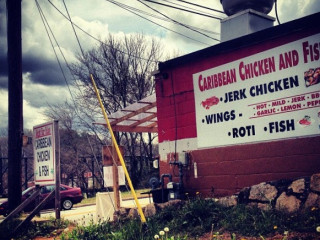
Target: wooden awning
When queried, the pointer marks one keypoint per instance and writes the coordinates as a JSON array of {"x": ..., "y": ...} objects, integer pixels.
[{"x": 137, "y": 117}]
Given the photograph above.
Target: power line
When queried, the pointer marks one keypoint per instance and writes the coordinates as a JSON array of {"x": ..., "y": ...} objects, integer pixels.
[
  {"x": 43, "y": 18},
  {"x": 181, "y": 24},
  {"x": 75, "y": 24},
  {"x": 184, "y": 6},
  {"x": 47, "y": 26},
  {"x": 162, "y": 18},
  {"x": 196, "y": 11},
  {"x": 119, "y": 5},
  {"x": 276, "y": 10},
  {"x": 66, "y": 62},
  {"x": 93, "y": 37},
  {"x": 44, "y": 21},
  {"x": 197, "y": 5},
  {"x": 70, "y": 71},
  {"x": 74, "y": 31},
  {"x": 183, "y": 9}
]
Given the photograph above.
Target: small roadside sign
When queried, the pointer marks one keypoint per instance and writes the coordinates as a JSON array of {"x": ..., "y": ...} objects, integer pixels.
[
  {"x": 44, "y": 153},
  {"x": 108, "y": 176}
]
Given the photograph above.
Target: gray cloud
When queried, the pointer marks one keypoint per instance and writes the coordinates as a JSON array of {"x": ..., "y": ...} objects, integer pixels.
[
  {"x": 3, "y": 82},
  {"x": 43, "y": 70},
  {"x": 3, "y": 65},
  {"x": 38, "y": 95}
]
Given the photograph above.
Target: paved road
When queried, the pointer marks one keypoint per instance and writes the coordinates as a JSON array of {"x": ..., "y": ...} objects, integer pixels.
[
  {"x": 81, "y": 215},
  {"x": 85, "y": 215}
]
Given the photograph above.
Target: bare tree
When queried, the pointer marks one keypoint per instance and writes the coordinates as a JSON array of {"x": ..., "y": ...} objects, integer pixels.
[
  {"x": 122, "y": 71},
  {"x": 26, "y": 158},
  {"x": 76, "y": 144},
  {"x": 121, "y": 68}
]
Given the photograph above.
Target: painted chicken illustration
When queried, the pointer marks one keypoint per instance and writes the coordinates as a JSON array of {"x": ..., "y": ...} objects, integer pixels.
[{"x": 209, "y": 102}]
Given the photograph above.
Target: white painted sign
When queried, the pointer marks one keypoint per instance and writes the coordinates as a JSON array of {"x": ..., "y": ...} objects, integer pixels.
[
  {"x": 274, "y": 94},
  {"x": 44, "y": 154},
  {"x": 108, "y": 176}
]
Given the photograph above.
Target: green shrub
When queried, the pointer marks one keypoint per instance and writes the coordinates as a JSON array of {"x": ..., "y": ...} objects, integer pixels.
[
  {"x": 194, "y": 218},
  {"x": 92, "y": 232},
  {"x": 33, "y": 229}
]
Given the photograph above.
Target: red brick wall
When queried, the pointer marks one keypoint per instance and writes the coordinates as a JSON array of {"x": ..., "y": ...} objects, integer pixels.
[
  {"x": 229, "y": 169},
  {"x": 178, "y": 110}
]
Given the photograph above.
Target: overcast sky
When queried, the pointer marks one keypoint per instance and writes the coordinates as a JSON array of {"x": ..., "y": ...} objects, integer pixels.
[{"x": 43, "y": 82}]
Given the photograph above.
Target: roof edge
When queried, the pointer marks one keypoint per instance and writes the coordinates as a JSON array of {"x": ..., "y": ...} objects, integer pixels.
[{"x": 247, "y": 40}]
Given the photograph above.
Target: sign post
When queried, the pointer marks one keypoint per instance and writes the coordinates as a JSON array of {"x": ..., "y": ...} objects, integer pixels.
[
  {"x": 57, "y": 165},
  {"x": 113, "y": 171},
  {"x": 115, "y": 178},
  {"x": 143, "y": 219},
  {"x": 46, "y": 149}
]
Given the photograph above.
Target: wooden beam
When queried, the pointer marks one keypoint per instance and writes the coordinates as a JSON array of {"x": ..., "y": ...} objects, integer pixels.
[
  {"x": 34, "y": 212},
  {"x": 129, "y": 120},
  {"x": 130, "y": 115},
  {"x": 134, "y": 127},
  {"x": 122, "y": 128},
  {"x": 152, "y": 125},
  {"x": 146, "y": 119},
  {"x": 125, "y": 110},
  {"x": 145, "y": 102},
  {"x": 21, "y": 206}
]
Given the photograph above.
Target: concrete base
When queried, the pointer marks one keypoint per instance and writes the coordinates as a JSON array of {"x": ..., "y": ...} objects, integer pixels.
[{"x": 243, "y": 23}]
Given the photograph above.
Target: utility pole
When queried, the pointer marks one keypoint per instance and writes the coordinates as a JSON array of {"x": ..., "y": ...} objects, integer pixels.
[
  {"x": 1, "y": 176},
  {"x": 15, "y": 102}
]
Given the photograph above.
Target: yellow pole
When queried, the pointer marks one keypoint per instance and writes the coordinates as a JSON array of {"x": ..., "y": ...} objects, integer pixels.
[{"x": 143, "y": 219}]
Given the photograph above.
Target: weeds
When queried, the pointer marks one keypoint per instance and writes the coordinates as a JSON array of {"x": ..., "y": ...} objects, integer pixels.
[
  {"x": 45, "y": 229},
  {"x": 164, "y": 235},
  {"x": 188, "y": 221},
  {"x": 91, "y": 232}
]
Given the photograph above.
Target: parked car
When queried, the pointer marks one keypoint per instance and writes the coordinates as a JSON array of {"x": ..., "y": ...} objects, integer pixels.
[{"x": 68, "y": 196}]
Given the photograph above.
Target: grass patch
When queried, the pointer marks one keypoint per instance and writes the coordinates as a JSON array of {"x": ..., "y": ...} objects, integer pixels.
[
  {"x": 128, "y": 195},
  {"x": 48, "y": 228},
  {"x": 200, "y": 216},
  {"x": 85, "y": 201},
  {"x": 190, "y": 221}
]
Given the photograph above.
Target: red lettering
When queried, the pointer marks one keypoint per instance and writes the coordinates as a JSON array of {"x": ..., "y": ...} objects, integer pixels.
[
  {"x": 242, "y": 75},
  {"x": 310, "y": 52},
  {"x": 200, "y": 83}
]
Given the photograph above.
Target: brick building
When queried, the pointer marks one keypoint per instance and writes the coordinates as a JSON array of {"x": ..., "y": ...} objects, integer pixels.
[{"x": 245, "y": 111}]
